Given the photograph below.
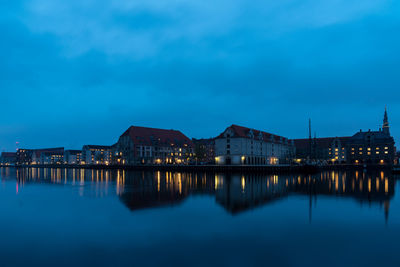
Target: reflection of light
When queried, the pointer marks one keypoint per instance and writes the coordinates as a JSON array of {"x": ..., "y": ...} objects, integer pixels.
[
  {"x": 158, "y": 181},
  {"x": 243, "y": 183},
  {"x": 369, "y": 185},
  {"x": 386, "y": 186},
  {"x": 377, "y": 184},
  {"x": 218, "y": 182}
]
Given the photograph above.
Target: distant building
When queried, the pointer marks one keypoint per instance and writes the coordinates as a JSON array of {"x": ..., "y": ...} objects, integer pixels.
[
  {"x": 8, "y": 158},
  {"x": 72, "y": 156},
  {"x": 240, "y": 145},
  {"x": 204, "y": 150},
  {"x": 95, "y": 154},
  {"x": 40, "y": 156},
  {"x": 330, "y": 149},
  {"x": 142, "y": 145},
  {"x": 373, "y": 147},
  {"x": 48, "y": 156}
]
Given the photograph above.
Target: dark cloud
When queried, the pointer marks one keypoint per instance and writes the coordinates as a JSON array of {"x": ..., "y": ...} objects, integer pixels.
[{"x": 82, "y": 72}]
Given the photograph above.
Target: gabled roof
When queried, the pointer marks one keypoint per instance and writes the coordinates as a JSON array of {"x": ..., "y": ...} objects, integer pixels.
[
  {"x": 378, "y": 136},
  {"x": 154, "y": 136},
  {"x": 243, "y": 132}
]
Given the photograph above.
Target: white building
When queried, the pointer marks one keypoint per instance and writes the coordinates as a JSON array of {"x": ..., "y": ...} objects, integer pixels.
[
  {"x": 47, "y": 156},
  {"x": 239, "y": 145},
  {"x": 72, "y": 157},
  {"x": 93, "y": 154}
]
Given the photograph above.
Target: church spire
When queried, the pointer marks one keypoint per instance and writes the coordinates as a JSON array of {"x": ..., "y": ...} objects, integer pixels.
[{"x": 385, "y": 126}]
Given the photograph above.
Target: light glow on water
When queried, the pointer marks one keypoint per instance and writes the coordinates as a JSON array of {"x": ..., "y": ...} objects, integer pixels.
[{"x": 238, "y": 219}]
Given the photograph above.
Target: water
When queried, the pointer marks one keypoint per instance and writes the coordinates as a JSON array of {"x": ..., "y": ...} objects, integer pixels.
[{"x": 58, "y": 217}]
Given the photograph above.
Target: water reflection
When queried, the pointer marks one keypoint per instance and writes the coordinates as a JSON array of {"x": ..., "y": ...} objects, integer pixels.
[{"x": 236, "y": 193}]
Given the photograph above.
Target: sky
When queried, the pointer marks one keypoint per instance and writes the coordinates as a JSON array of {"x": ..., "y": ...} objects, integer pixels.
[{"x": 82, "y": 71}]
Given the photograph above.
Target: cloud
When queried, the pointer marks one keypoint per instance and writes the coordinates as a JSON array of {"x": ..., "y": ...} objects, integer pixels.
[{"x": 80, "y": 65}]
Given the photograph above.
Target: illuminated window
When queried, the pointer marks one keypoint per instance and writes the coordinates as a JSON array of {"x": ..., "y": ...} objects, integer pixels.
[
  {"x": 377, "y": 148},
  {"x": 386, "y": 152},
  {"x": 360, "y": 153},
  {"x": 352, "y": 148},
  {"x": 360, "y": 148},
  {"x": 386, "y": 147},
  {"x": 369, "y": 153},
  {"x": 336, "y": 149},
  {"x": 369, "y": 149},
  {"x": 377, "y": 152}
]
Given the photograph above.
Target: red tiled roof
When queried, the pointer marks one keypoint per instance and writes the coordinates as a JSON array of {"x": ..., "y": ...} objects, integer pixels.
[
  {"x": 241, "y": 131},
  {"x": 154, "y": 136}
]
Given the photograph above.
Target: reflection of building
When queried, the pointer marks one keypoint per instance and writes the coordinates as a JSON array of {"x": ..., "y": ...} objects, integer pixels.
[
  {"x": 241, "y": 145},
  {"x": 236, "y": 193},
  {"x": 8, "y": 158},
  {"x": 72, "y": 156},
  {"x": 141, "y": 145},
  {"x": 372, "y": 147},
  {"x": 94, "y": 154},
  {"x": 333, "y": 149},
  {"x": 240, "y": 193},
  {"x": 40, "y": 156},
  {"x": 204, "y": 150}
]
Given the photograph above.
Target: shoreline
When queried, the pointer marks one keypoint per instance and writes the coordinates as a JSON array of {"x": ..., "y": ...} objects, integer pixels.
[{"x": 215, "y": 168}]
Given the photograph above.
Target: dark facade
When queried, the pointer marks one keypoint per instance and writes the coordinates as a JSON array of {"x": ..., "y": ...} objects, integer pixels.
[
  {"x": 370, "y": 147},
  {"x": 329, "y": 149},
  {"x": 39, "y": 156},
  {"x": 373, "y": 147},
  {"x": 204, "y": 150},
  {"x": 8, "y": 158}
]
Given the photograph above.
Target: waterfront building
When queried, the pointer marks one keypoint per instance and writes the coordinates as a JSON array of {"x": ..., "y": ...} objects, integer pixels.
[
  {"x": 72, "y": 156},
  {"x": 239, "y": 145},
  {"x": 142, "y": 145},
  {"x": 40, "y": 156},
  {"x": 373, "y": 147},
  {"x": 8, "y": 158},
  {"x": 204, "y": 150},
  {"x": 48, "y": 156},
  {"x": 328, "y": 149},
  {"x": 96, "y": 154}
]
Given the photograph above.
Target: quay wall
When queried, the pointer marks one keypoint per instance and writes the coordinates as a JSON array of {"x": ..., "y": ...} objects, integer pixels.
[{"x": 272, "y": 169}]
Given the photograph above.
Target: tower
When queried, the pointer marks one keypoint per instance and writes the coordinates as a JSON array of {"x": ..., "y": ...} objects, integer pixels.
[{"x": 385, "y": 126}]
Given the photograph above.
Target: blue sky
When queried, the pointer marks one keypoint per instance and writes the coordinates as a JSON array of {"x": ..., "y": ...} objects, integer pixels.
[{"x": 77, "y": 72}]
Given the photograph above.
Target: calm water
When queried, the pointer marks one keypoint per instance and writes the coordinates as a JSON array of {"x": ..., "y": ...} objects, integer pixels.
[{"x": 57, "y": 217}]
